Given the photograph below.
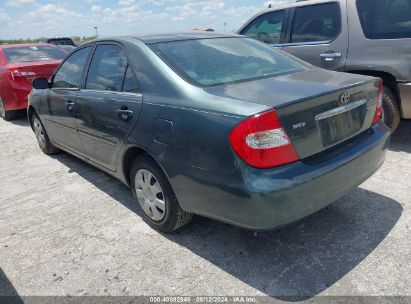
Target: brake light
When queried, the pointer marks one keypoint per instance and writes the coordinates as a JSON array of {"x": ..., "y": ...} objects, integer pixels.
[
  {"x": 378, "y": 111},
  {"x": 16, "y": 74},
  {"x": 261, "y": 141}
]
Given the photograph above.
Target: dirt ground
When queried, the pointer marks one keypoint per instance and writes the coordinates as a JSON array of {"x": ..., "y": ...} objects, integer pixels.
[{"x": 68, "y": 229}]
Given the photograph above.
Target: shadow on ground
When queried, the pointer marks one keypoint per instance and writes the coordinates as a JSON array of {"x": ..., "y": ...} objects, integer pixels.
[
  {"x": 294, "y": 263},
  {"x": 8, "y": 294},
  {"x": 20, "y": 119},
  {"x": 297, "y": 262},
  {"x": 401, "y": 139}
]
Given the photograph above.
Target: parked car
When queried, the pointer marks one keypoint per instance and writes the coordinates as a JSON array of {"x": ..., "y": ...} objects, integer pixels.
[
  {"x": 368, "y": 37},
  {"x": 222, "y": 126},
  {"x": 66, "y": 48},
  {"x": 59, "y": 41},
  {"x": 19, "y": 65}
]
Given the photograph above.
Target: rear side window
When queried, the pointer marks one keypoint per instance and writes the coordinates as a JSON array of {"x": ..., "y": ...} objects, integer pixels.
[
  {"x": 70, "y": 73},
  {"x": 315, "y": 23},
  {"x": 266, "y": 28},
  {"x": 33, "y": 53},
  {"x": 61, "y": 41},
  {"x": 130, "y": 82},
  {"x": 107, "y": 69},
  {"x": 385, "y": 19}
]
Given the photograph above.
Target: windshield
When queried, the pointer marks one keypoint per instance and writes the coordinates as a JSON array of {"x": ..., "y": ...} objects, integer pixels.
[
  {"x": 208, "y": 62},
  {"x": 33, "y": 53}
]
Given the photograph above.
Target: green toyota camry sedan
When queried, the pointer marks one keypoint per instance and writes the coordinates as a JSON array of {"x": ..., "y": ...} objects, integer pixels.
[{"x": 221, "y": 126}]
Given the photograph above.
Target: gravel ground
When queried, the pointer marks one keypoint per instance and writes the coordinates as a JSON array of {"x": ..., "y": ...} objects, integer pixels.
[{"x": 68, "y": 229}]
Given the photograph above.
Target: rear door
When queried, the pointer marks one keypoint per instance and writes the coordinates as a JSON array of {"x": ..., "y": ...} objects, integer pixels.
[
  {"x": 318, "y": 34},
  {"x": 109, "y": 105},
  {"x": 60, "y": 107}
]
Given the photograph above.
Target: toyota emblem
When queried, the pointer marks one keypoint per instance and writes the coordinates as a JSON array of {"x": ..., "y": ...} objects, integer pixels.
[{"x": 345, "y": 97}]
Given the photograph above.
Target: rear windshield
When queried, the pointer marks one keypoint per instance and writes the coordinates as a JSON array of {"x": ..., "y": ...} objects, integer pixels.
[
  {"x": 209, "y": 62},
  {"x": 62, "y": 41},
  {"x": 385, "y": 19},
  {"x": 33, "y": 53}
]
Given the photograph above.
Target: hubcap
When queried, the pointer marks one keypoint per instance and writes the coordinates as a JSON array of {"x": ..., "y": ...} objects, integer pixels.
[
  {"x": 38, "y": 130},
  {"x": 2, "y": 111},
  {"x": 150, "y": 195}
]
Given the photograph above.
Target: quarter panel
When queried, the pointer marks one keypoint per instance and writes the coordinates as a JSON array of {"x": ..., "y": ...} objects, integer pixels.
[
  {"x": 198, "y": 147},
  {"x": 388, "y": 55},
  {"x": 198, "y": 138}
]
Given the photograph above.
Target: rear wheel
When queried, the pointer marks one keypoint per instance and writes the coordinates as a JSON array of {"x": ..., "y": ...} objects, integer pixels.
[
  {"x": 42, "y": 138},
  {"x": 155, "y": 196},
  {"x": 391, "y": 111},
  {"x": 6, "y": 115}
]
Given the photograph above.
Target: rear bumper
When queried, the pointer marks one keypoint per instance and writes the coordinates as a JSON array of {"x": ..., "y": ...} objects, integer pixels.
[
  {"x": 267, "y": 199},
  {"x": 405, "y": 97},
  {"x": 19, "y": 98}
]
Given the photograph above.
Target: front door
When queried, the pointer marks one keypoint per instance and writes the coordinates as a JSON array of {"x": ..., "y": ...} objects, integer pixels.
[
  {"x": 268, "y": 28},
  {"x": 109, "y": 106},
  {"x": 318, "y": 34},
  {"x": 59, "y": 116}
]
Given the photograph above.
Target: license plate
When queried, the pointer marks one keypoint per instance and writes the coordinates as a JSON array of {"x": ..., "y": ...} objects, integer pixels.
[{"x": 341, "y": 123}]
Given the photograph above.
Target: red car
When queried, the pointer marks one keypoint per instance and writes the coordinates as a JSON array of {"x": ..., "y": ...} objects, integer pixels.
[{"x": 19, "y": 65}]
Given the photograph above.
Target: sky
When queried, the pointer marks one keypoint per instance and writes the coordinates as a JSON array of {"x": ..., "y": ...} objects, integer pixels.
[{"x": 48, "y": 18}]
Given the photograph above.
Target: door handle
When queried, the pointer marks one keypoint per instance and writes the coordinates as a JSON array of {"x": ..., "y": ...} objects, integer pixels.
[
  {"x": 124, "y": 114},
  {"x": 330, "y": 56},
  {"x": 70, "y": 105}
]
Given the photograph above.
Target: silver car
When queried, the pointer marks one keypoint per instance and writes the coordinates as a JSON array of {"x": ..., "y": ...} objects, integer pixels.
[{"x": 370, "y": 37}]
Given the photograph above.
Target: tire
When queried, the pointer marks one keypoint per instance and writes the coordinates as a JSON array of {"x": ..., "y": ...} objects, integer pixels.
[
  {"x": 6, "y": 115},
  {"x": 166, "y": 216},
  {"x": 42, "y": 138},
  {"x": 391, "y": 111}
]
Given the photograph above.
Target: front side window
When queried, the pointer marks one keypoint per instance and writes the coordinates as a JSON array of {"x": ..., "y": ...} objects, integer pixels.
[
  {"x": 385, "y": 19},
  {"x": 266, "y": 28},
  {"x": 33, "y": 53},
  {"x": 107, "y": 69},
  {"x": 70, "y": 73},
  {"x": 209, "y": 62},
  {"x": 316, "y": 23}
]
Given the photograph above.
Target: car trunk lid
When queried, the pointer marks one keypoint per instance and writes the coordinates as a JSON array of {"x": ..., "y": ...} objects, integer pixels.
[
  {"x": 318, "y": 109},
  {"x": 27, "y": 71}
]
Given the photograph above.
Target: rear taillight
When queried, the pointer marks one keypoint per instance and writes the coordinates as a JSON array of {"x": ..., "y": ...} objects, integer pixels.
[
  {"x": 261, "y": 141},
  {"x": 378, "y": 111},
  {"x": 16, "y": 74}
]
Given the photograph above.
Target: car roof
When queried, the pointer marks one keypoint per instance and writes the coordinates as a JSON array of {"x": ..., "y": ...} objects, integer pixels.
[
  {"x": 168, "y": 37},
  {"x": 6, "y": 46},
  {"x": 294, "y": 4}
]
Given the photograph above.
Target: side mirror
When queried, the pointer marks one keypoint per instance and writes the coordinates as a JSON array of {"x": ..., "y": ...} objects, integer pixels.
[{"x": 41, "y": 84}]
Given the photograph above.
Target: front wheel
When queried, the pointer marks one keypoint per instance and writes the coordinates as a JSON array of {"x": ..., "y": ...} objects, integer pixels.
[
  {"x": 391, "y": 111},
  {"x": 156, "y": 198},
  {"x": 42, "y": 138}
]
